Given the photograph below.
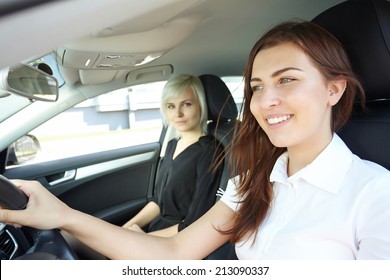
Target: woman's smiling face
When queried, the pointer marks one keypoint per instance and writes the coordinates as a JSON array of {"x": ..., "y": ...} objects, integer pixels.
[
  {"x": 183, "y": 112},
  {"x": 291, "y": 99}
]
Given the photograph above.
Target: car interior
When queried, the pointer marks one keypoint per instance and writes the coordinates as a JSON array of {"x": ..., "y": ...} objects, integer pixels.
[{"x": 152, "y": 50}]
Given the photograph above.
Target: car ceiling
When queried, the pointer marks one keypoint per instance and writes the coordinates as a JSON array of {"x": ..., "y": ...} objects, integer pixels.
[{"x": 193, "y": 36}]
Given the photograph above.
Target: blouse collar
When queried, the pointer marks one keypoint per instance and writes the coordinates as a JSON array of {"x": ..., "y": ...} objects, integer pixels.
[{"x": 327, "y": 171}]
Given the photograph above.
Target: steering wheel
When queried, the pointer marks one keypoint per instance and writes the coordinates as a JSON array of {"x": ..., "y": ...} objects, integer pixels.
[{"x": 46, "y": 244}]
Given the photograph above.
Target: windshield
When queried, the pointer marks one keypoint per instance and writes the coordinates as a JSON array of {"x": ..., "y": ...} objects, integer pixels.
[
  {"x": 49, "y": 59},
  {"x": 11, "y": 104}
]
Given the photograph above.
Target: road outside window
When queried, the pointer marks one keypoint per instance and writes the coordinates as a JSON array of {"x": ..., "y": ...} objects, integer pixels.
[{"x": 118, "y": 119}]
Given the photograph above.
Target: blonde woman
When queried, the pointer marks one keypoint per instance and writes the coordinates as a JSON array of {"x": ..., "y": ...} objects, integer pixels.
[{"x": 185, "y": 184}]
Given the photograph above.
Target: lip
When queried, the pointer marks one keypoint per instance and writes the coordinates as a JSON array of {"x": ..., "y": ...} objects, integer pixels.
[{"x": 180, "y": 122}]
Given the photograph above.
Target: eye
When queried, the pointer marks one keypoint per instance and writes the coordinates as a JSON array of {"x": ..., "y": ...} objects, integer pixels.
[
  {"x": 170, "y": 106},
  {"x": 286, "y": 80},
  {"x": 187, "y": 104},
  {"x": 257, "y": 88}
]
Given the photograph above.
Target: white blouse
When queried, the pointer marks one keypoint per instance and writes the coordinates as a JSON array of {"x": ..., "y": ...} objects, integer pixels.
[{"x": 338, "y": 207}]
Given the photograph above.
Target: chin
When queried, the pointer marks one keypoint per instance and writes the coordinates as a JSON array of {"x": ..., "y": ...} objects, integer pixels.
[{"x": 280, "y": 143}]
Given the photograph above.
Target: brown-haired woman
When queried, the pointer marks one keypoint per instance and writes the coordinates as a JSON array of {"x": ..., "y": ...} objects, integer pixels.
[{"x": 300, "y": 193}]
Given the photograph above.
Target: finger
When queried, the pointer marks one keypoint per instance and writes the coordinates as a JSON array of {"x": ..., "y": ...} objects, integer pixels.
[
  {"x": 13, "y": 217},
  {"x": 18, "y": 183},
  {"x": 27, "y": 187}
]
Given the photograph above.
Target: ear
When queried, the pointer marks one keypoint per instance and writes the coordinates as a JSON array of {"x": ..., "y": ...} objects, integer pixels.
[{"x": 336, "y": 90}]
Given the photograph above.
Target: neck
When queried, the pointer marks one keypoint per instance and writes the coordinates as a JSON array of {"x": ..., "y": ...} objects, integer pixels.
[
  {"x": 191, "y": 136},
  {"x": 300, "y": 157},
  {"x": 186, "y": 139}
]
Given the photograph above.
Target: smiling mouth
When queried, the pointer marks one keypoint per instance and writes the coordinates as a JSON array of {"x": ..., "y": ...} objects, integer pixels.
[{"x": 280, "y": 119}]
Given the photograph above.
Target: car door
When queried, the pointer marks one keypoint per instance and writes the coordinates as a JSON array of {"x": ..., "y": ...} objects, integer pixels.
[
  {"x": 112, "y": 185},
  {"x": 107, "y": 174}
]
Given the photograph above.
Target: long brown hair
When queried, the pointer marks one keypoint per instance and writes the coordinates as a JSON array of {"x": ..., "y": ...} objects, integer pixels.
[{"x": 252, "y": 154}]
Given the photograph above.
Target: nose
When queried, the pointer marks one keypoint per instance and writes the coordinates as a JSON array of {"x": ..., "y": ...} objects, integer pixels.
[
  {"x": 179, "y": 112},
  {"x": 268, "y": 98}
]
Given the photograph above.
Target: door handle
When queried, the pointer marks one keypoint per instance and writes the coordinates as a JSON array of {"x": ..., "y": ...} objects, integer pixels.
[{"x": 68, "y": 175}]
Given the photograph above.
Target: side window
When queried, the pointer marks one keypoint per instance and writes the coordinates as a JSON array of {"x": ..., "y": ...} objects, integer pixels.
[
  {"x": 236, "y": 86},
  {"x": 122, "y": 118}
]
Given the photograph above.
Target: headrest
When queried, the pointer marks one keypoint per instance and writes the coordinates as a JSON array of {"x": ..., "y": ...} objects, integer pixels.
[
  {"x": 363, "y": 27},
  {"x": 219, "y": 99}
]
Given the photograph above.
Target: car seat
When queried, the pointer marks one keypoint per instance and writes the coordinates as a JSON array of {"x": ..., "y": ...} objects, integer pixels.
[
  {"x": 222, "y": 118},
  {"x": 363, "y": 27}
]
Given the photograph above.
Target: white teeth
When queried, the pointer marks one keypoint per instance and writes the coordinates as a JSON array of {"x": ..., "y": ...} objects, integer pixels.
[{"x": 278, "y": 119}]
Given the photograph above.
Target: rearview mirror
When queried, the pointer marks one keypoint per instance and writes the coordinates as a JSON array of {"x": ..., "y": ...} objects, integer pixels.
[{"x": 30, "y": 82}]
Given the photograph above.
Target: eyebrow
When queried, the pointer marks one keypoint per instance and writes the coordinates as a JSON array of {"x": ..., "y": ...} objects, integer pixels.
[
  {"x": 277, "y": 73},
  {"x": 181, "y": 102}
]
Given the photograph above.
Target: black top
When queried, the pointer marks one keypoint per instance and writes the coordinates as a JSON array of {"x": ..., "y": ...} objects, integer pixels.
[{"x": 185, "y": 186}]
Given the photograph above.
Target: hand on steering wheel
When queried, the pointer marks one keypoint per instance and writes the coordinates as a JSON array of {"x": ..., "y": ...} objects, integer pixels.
[{"x": 38, "y": 204}]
